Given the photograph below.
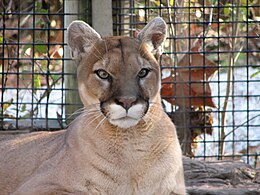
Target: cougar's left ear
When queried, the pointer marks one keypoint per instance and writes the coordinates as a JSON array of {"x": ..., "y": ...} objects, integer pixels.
[
  {"x": 81, "y": 38},
  {"x": 154, "y": 34}
]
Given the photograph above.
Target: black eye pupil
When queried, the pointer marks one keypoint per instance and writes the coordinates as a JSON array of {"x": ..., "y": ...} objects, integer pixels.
[
  {"x": 102, "y": 74},
  {"x": 143, "y": 73}
]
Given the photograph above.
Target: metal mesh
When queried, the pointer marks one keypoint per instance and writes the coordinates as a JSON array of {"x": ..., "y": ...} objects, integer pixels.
[
  {"x": 210, "y": 72},
  {"x": 210, "y": 68},
  {"x": 32, "y": 63}
]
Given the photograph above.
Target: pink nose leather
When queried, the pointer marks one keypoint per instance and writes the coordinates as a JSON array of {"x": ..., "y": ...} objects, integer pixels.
[{"x": 126, "y": 102}]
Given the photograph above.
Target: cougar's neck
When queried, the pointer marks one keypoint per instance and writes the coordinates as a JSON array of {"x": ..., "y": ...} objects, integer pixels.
[{"x": 98, "y": 127}]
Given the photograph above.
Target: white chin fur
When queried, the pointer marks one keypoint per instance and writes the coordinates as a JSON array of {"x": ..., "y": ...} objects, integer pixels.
[
  {"x": 119, "y": 117},
  {"x": 124, "y": 122}
]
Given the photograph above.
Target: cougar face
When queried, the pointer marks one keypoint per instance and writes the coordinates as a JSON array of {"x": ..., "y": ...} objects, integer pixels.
[{"x": 122, "y": 76}]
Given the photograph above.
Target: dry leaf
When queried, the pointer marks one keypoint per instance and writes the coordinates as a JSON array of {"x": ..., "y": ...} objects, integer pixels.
[{"x": 189, "y": 85}]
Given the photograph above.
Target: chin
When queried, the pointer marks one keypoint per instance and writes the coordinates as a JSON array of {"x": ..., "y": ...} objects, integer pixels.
[{"x": 125, "y": 122}]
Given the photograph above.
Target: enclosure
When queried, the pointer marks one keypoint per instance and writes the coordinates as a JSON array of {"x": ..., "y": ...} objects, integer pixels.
[{"x": 210, "y": 67}]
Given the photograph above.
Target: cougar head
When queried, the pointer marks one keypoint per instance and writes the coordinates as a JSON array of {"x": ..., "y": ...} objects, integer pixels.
[{"x": 120, "y": 74}]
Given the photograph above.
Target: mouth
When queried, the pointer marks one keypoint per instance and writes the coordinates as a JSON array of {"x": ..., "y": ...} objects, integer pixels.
[
  {"x": 118, "y": 116},
  {"x": 125, "y": 118},
  {"x": 124, "y": 122}
]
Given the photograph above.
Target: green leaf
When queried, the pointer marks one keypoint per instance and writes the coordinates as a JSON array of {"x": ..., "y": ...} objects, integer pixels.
[
  {"x": 227, "y": 9},
  {"x": 25, "y": 48},
  {"x": 214, "y": 2},
  {"x": 248, "y": 2},
  {"x": 26, "y": 116},
  {"x": 1, "y": 39},
  {"x": 43, "y": 11},
  {"x": 38, "y": 5},
  {"x": 7, "y": 104},
  {"x": 255, "y": 74},
  {"x": 41, "y": 48},
  {"x": 157, "y": 3},
  {"x": 23, "y": 109},
  {"x": 243, "y": 13},
  {"x": 36, "y": 82},
  {"x": 39, "y": 9},
  {"x": 55, "y": 77}
]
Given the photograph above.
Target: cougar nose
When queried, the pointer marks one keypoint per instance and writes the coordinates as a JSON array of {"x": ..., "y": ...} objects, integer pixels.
[{"x": 125, "y": 102}]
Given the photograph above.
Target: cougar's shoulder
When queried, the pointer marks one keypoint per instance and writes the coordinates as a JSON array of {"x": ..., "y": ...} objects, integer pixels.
[{"x": 24, "y": 154}]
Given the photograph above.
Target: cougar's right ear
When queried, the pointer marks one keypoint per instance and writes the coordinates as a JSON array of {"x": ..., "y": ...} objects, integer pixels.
[
  {"x": 154, "y": 34},
  {"x": 81, "y": 38}
]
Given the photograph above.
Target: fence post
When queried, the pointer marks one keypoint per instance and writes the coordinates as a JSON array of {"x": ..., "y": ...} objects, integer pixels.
[
  {"x": 102, "y": 22},
  {"x": 70, "y": 76},
  {"x": 123, "y": 17}
]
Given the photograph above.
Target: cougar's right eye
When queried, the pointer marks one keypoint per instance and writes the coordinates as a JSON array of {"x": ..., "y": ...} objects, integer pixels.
[
  {"x": 143, "y": 73},
  {"x": 102, "y": 74}
]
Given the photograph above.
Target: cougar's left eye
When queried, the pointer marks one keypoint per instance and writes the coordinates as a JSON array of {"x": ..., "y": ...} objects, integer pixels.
[
  {"x": 102, "y": 74},
  {"x": 143, "y": 73}
]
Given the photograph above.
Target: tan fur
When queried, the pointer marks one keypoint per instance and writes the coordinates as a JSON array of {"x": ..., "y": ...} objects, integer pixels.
[{"x": 94, "y": 156}]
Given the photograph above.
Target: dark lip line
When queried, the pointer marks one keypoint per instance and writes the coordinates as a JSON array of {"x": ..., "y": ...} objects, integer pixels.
[{"x": 125, "y": 117}]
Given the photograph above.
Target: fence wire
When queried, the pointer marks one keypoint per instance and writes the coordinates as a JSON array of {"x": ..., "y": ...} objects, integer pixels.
[
  {"x": 32, "y": 62},
  {"x": 210, "y": 72}
]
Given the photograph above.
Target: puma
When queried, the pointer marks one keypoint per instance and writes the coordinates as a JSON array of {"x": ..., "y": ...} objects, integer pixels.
[{"x": 122, "y": 143}]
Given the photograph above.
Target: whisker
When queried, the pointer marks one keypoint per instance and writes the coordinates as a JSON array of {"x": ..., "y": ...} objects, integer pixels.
[
  {"x": 149, "y": 120},
  {"x": 90, "y": 116},
  {"x": 73, "y": 121},
  {"x": 152, "y": 116},
  {"x": 92, "y": 105},
  {"x": 98, "y": 57},
  {"x": 76, "y": 112},
  {"x": 100, "y": 123},
  {"x": 156, "y": 104},
  {"x": 89, "y": 112},
  {"x": 93, "y": 118},
  {"x": 92, "y": 109},
  {"x": 83, "y": 109},
  {"x": 93, "y": 45},
  {"x": 106, "y": 46}
]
